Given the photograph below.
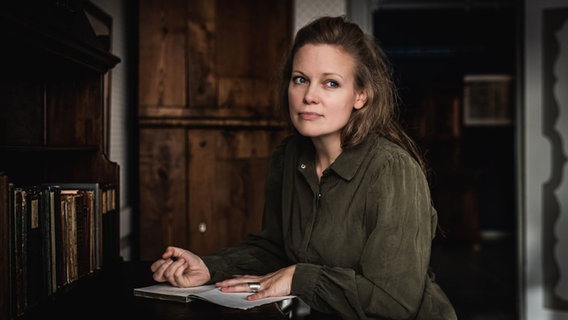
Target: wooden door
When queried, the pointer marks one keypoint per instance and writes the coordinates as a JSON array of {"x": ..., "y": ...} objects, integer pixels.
[{"x": 207, "y": 117}]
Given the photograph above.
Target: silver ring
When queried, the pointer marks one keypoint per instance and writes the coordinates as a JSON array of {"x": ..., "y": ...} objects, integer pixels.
[{"x": 254, "y": 286}]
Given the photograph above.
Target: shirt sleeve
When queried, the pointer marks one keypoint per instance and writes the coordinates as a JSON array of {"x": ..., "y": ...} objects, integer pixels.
[{"x": 393, "y": 270}]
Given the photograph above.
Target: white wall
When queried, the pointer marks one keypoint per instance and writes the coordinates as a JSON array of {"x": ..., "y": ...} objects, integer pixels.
[
  {"x": 358, "y": 11},
  {"x": 543, "y": 146},
  {"x": 307, "y": 10},
  {"x": 120, "y": 109}
]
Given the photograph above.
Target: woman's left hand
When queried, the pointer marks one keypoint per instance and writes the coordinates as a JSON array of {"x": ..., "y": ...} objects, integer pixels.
[{"x": 275, "y": 284}]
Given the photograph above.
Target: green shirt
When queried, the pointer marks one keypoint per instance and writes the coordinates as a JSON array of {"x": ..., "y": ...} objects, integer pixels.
[{"x": 360, "y": 236}]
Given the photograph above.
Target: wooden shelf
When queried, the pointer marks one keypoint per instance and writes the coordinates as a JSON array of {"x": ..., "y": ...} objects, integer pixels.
[{"x": 52, "y": 125}]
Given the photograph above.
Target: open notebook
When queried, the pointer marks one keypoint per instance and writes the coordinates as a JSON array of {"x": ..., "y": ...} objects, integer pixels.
[{"x": 210, "y": 293}]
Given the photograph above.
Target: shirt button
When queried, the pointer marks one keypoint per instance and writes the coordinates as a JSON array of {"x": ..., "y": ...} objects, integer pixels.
[{"x": 303, "y": 166}]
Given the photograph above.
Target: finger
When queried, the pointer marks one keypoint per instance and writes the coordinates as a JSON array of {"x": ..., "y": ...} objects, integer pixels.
[
  {"x": 156, "y": 265},
  {"x": 239, "y": 287},
  {"x": 159, "y": 263},
  {"x": 232, "y": 282},
  {"x": 242, "y": 278},
  {"x": 257, "y": 295},
  {"x": 178, "y": 252},
  {"x": 159, "y": 273},
  {"x": 239, "y": 284},
  {"x": 182, "y": 279},
  {"x": 250, "y": 286},
  {"x": 173, "y": 266},
  {"x": 168, "y": 253},
  {"x": 175, "y": 253}
]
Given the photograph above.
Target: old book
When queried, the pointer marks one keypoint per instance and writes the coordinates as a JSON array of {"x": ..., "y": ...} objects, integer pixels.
[
  {"x": 209, "y": 293},
  {"x": 19, "y": 244},
  {"x": 84, "y": 224},
  {"x": 35, "y": 280},
  {"x": 110, "y": 232},
  {"x": 52, "y": 207},
  {"x": 60, "y": 241},
  {"x": 69, "y": 235},
  {"x": 5, "y": 269},
  {"x": 87, "y": 224}
]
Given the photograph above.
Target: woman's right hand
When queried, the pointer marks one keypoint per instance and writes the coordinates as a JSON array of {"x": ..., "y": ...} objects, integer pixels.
[{"x": 181, "y": 268}]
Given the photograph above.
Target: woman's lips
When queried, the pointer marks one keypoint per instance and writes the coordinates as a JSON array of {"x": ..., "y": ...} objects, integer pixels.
[{"x": 309, "y": 115}]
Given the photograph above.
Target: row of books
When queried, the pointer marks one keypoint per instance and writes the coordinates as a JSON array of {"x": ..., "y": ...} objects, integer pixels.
[{"x": 57, "y": 237}]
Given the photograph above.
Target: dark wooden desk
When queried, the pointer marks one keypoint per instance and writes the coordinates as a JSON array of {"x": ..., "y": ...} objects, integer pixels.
[{"x": 110, "y": 297}]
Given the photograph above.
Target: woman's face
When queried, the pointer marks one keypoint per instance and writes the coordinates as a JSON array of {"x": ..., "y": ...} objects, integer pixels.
[{"x": 322, "y": 91}]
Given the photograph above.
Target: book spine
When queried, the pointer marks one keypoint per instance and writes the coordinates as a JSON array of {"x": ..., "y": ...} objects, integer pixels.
[
  {"x": 55, "y": 237},
  {"x": 54, "y": 219},
  {"x": 84, "y": 234},
  {"x": 110, "y": 220},
  {"x": 19, "y": 236},
  {"x": 6, "y": 268},
  {"x": 34, "y": 256},
  {"x": 70, "y": 231},
  {"x": 61, "y": 241},
  {"x": 45, "y": 225},
  {"x": 97, "y": 229}
]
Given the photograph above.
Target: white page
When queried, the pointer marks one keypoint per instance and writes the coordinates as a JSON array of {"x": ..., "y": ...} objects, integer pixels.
[
  {"x": 209, "y": 293},
  {"x": 236, "y": 300}
]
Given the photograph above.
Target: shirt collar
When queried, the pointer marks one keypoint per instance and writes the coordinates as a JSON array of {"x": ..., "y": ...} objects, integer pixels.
[{"x": 346, "y": 165}]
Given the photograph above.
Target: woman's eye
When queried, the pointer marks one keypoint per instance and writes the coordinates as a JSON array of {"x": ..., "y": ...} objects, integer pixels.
[
  {"x": 332, "y": 84},
  {"x": 299, "y": 79}
]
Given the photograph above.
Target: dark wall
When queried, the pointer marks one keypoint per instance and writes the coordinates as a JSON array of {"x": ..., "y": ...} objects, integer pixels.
[{"x": 433, "y": 48}]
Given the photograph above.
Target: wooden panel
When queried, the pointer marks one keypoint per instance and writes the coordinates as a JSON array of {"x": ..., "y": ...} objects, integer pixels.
[
  {"x": 247, "y": 97},
  {"x": 202, "y": 70},
  {"x": 262, "y": 33},
  {"x": 21, "y": 118},
  {"x": 226, "y": 194},
  {"x": 203, "y": 192},
  {"x": 248, "y": 59},
  {"x": 222, "y": 102},
  {"x": 233, "y": 51},
  {"x": 70, "y": 119},
  {"x": 162, "y": 190},
  {"x": 162, "y": 64}
]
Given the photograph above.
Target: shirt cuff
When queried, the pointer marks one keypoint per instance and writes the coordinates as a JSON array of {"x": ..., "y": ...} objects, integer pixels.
[
  {"x": 305, "y": 279},
  {"x": 214, "y": 263}
]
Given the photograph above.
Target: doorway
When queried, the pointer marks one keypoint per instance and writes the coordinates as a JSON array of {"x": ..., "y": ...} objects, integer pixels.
[{"x": 436, "y": 48}]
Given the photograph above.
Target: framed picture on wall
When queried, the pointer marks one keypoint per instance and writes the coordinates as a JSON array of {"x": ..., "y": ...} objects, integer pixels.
[{"x": 488, "y": 100}]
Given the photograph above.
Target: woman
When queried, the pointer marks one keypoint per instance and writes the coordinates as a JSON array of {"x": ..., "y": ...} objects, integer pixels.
[{"x": 348, "y": 220}]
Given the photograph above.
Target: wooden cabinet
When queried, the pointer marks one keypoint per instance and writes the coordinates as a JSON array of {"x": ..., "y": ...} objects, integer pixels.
[
  {"x": 51, "y": 117},
  {"x": 207, "y": 118}
]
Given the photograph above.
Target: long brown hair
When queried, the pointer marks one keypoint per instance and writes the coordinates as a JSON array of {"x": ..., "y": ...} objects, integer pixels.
[{"x": 372, "y": 73}]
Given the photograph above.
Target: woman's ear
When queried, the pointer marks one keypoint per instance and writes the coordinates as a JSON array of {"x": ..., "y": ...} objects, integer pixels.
[{"x": 360, "y": 99}]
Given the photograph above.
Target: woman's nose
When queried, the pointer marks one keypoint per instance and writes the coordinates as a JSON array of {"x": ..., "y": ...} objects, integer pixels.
[{"x": 311, "y": 95}]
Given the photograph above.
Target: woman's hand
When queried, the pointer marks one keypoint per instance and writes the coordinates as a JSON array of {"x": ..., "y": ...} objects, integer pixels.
[
  {"x": 181, "y": 268},
  {"x": 275, "y": 284}
]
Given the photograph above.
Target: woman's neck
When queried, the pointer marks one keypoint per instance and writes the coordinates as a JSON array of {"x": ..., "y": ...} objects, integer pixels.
[{"x": 327, "y": 150}]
